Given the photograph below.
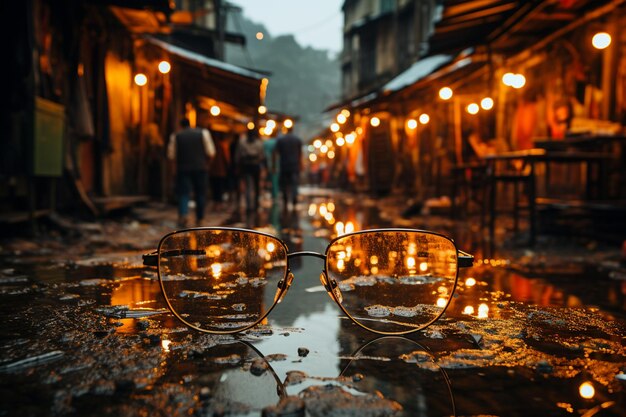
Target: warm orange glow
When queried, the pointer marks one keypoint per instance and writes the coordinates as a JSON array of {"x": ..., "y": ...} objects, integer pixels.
[
  {"x": 270, "y": 123},
  {"x": 328, "y": 143},
  {"x": 586, "y": 390},
  {"x": 470, "y": 282},
  {"x": 469, "y": 310},
  {"x": 601, "y": 40},
  {"x": 339, "y": 228},
  {"x": 323, "y": 210},
  {"x": 271, "y": 247},
  {"x": 331, "y": 154},
  {"x": 141, "y": 79},
  {"x": 424, "y": 118},
  {"x": 340, "y": 141},
  {"x": 483, "y": 311},
  {"x": 317, "y": 143},
  {"x": 350, "y": 137},
  {"x": 215, "y": 110},
  {"x": 442, "y": 302},
  {"x": 267, "y": 131},
  {"x": 259, "y": 35},
  {"x": 330, "y": 206},
  {"x": 323, "y": 149},
  {"x": 410, "y": 262},
  {"x": 423, "y": 266},
  {"x": 164, "y": 67},
  {"x": 445, "y": 93},
  {"x": 288, "y": 123},
  {"x": 349, "y": 227},
  {"x": 262, "y": 109},
  {"x": 508, "y": 79},
  {"x": 519, "y": 81},
  {"x": 341, "y": 119},
  {"x": 411, "y": 124},
  {"x": 472, "y": 108},
  {"x": 250, "y": 125},
  {"x": 345, "y": 112},
  {"x": 312, "y": 157},
  {"x": 375, "y": 121},
  {"x": 334, "y": 127},
  {"x": 165, "y": 344},
  {"x": 216, "y": 270},
  {"x": 486, "y": 103}
]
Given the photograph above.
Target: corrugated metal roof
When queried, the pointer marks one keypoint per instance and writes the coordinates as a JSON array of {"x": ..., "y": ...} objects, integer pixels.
[
  {"x": 201, "y": 59},
  {"x": 416, "y": 72}
]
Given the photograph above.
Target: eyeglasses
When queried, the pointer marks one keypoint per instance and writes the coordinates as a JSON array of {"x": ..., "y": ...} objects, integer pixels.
[{"x": 226, "y": 280}]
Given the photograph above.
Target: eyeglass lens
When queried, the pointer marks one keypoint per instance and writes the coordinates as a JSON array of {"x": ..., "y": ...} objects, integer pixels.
[
  {"x": 393, "y": 281},
  {"x": 221, "y": 280},
  {"x": 228, "y": 280}
]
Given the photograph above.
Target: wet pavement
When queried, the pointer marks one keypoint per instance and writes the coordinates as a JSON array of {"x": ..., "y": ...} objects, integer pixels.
[{"x": 85, "y": 330}]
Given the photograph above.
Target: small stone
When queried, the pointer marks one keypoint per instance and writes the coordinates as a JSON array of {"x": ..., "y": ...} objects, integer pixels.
[
  {"x": 258, "y": 367},
  {"x": 303, "y": 352}
]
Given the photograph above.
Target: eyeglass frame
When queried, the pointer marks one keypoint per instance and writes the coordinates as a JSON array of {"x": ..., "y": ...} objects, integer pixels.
[{"x": 153, "y": 259}]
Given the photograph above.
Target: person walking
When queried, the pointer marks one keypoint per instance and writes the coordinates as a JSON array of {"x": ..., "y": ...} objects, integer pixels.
[
  {"x": 250, "y": 159},
  {"x": 289, "y": 152},
  {"x": 191, "y": 150}
]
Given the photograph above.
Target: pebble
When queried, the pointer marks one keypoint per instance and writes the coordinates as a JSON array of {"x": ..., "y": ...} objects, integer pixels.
[
  {"x": 303, "y": 352},
  {"x": 258, "y": 367}
]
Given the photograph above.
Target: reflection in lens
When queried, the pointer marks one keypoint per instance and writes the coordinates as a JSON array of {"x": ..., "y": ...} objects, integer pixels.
[
  {"x": 404, "y": 371},
  {"x": 221, "y": 280},
  {"x": 394, "y": 281}
]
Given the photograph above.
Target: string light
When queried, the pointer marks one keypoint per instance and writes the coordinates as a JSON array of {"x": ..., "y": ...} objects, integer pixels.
[
  {"x": 164, "y": 67},
  {"x": 486, "y": 103},
  {"x": 411, "y": 124},
  {"x": 375, "y": 121},
  {"x": 141, "y": 79},
  {"x": 601, "y": 40},
  {"x": 424, "y": 118},
  {"x": 445, "y": 93}
]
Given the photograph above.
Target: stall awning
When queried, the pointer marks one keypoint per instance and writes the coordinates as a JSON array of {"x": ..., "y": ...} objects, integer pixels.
[
  {"x": 211, "y": 78},
  {"x": 416, "y": 72}
]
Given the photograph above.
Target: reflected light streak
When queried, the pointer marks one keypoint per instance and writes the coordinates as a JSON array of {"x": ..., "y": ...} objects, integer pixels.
[
  {"x": 469, "y": 310},
  {"x": 483, "y": 311},
  {"x": 270, "y": 246},
  {"x": 216, "y": 270},
  {"x": 165, "y": 344}
]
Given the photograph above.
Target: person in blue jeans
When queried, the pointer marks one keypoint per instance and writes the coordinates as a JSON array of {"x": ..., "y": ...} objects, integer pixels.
[
  {"x": 191, "y": 150},
  {"x": 289, "y": 152}
]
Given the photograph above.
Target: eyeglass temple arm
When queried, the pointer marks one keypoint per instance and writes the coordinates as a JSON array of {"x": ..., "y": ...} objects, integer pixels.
[
  {"x": 465, "y": 259},
  {"x": 152, "y": 258}
]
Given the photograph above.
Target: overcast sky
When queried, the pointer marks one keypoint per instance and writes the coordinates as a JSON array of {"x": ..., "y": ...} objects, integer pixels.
[{"x": 316, "y": 23}]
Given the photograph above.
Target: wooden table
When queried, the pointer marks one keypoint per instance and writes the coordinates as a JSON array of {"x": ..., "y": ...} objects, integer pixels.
[{"x": 529, "y": 159}]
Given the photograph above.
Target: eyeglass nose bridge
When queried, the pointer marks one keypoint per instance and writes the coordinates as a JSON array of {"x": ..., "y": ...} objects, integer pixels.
[{"x": 306, "y": 253}]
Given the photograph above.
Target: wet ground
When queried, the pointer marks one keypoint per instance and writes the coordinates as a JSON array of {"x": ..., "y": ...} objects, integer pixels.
[{"x": 85, "y": 330}]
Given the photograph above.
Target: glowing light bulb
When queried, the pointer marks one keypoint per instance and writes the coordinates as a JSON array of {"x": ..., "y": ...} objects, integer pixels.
[
  {"x": 141, "y": 79},
  {"x": 472, "y": 108},
  {"x": 288, "y": 123},
  {"x": 411, "y": 124},
  {"x": 445, "y": 93},
  {"x": 375, "y": 121},
  {"x": 164, "y": 67},
  {"x": 334, "y": 127},
  {"x": 601, "y": 40},
  {"x": 424, "y": 118},
  {"x": 215, "y": 110},
  {"x": 486, "y": 103}
]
